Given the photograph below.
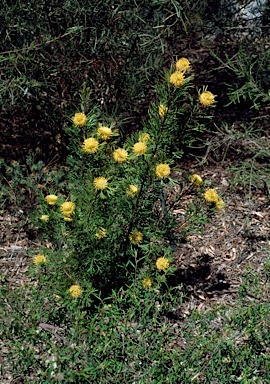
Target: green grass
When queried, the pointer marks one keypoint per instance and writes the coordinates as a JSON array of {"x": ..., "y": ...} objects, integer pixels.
[{"x": 132, "y": 338}]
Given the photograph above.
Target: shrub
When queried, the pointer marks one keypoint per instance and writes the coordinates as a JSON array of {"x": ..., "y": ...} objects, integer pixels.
[
  {"x": 112, "y": 224},
  {"x": 50, "y": 51}
]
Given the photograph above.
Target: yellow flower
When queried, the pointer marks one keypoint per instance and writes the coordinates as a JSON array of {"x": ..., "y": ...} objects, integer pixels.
[
  {"x": 101, "y": 233},
  {"x": 39, "y": 259},
  {"x": 136, "y": 237},
  {"x": 120, "y": 155},
  {"x": 67, "y": 208},
  {"x": 68, "y": 219},
  {"x": 182, "y": 64},
  {"x": 79, "y": 119},
  {"x": 51, "y": 199},
  {"x": 162, "y": 263},
  {"x": 196, "y": 179},
  {"x": 44, "y": 218},
  {"x": 162, "y": 110},
  {"x": 177, "y": 79},
  {"x": 132, "y": 190},
  {"x": 147, "y": 282},
  {"x": 104, "y": 133},
  {"x": 75, "y": 290},
  {"x": 211, "y": 196},
  {"x": 90, "y": 145},
  {"x": 163, "y": 170},
  {"x": 219, "y": 204},
  {"x": 100, "y": 183},
  {"x": 206, "y": 98},
  {"x": 144, "y": 137},
  {"x": 140, "y": 148}
]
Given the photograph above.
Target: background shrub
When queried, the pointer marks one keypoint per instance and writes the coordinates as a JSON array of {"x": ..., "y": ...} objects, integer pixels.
[{"x": 51, "y": 51}]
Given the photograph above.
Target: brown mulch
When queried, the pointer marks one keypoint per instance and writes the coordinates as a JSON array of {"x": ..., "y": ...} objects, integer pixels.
[
  {"x": 14, "y": 247},
  {"x": 211, "y": 265}
]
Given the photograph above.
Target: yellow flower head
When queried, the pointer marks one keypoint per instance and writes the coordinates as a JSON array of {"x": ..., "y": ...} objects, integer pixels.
[
  {"x": 51, "y": 199},
  {"x": 67, "y": 208},
  {"x": 162, "y": 110},
  {"x": 68, "y": 219},
  {"x": 132, "y": 190},
  {"x": 40, "y": 259},
  {"x": 144, "y": 137},
  {"x": 177, "y": 79},
  {"x": 44, "y": 218},
  {"x": 75, "y": 291},
  {"x": 135, "y": 237},
  {"x": 104, "y": 133},
  {"x": 120, "y": 155},
  {"x": 79, "y": 119},
  {"x": 100, "y": 183},
  {"x": 182, "y": 65},
  {"x": 219, "y": 204},
  {"x": 163, "y": 170},
  {"x": 211, "y": 196},
  {"x": 101, "y": 233},
  {"x": 147, "y": 282},
  {"x": 206, "y": 98},
  {"x": 90, "y": 145},
  {"x": 162, "y": 263},
  {"x": 140, "y": 148},
  {"x": 196, "y": 179}
]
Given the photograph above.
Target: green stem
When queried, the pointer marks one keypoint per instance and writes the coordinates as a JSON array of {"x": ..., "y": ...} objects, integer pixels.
[{"x": 146, "y": 174}]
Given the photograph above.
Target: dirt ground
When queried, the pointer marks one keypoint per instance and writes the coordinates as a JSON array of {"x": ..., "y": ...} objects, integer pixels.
[{"x": 212, "y": 263}]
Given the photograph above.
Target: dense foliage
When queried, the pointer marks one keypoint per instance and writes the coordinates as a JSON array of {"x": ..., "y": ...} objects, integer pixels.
[{"x": 51, "y": 51}]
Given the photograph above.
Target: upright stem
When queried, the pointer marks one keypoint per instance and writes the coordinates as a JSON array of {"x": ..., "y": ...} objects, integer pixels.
[{"x": 145, "y": 176}]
